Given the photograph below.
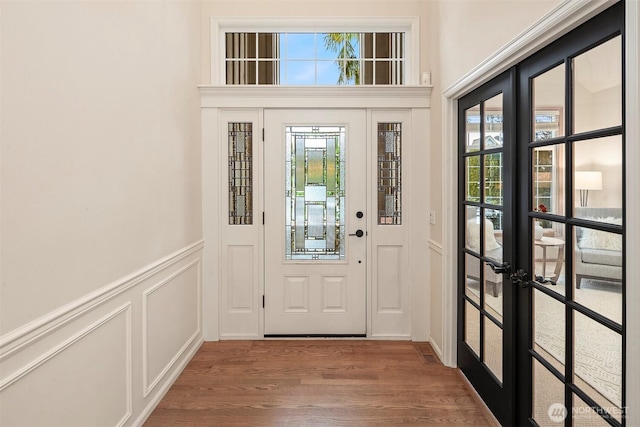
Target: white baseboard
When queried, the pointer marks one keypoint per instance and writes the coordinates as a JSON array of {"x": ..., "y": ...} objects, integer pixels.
[
  {"x": 162, "y": 391},
  {"x": 436, "y": 348}
]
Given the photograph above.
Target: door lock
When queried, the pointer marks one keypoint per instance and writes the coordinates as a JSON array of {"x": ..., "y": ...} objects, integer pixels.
[
  {"x": 358, "y": 233},
  {"x": 521, "y": 278},
  {"x": 359, "y": 214}
]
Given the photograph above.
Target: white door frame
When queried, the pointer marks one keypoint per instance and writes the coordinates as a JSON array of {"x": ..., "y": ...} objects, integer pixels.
[{"x": 215, "y": 99}]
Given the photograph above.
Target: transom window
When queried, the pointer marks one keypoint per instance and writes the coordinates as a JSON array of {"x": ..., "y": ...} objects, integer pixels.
[
  {"x": 315, "y": 58},
  {"x": 309, "y": 51}
]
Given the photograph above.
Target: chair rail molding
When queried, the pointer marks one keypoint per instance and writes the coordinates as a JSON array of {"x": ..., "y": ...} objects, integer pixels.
[{"x": 33, "y": 331}]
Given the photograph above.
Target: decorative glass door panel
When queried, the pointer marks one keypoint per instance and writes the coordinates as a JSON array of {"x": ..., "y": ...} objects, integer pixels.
[{"x": 315, "y": 192}]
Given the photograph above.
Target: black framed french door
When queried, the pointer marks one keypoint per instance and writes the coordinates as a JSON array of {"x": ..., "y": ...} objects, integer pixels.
[
  {"x": 486, "y": 334},
  {"x": 570, "y": 216},
  {"x": 541, "y": 283}
]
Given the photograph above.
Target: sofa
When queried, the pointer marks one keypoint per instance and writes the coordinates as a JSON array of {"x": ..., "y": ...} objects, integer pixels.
[{"x": 598, "y": 254}]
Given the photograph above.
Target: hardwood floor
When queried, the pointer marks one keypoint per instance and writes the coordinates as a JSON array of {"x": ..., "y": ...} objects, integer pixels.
[{"x": 317, "y": 383}]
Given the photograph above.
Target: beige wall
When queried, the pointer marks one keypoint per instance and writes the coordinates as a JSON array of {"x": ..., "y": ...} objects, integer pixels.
[
  {"x": 100, "y": 145},
  {"x": 100, "y": 206}
]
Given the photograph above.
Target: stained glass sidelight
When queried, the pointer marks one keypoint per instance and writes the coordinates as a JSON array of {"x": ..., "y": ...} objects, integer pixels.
[
  {"x": 389, "y": 174},
  {"x": 240, "y": 173},
  {"x": 315, "y": 192}
]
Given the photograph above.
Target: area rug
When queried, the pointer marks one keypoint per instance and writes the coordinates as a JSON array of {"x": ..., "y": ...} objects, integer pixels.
[{"x": 598, "y": 350}]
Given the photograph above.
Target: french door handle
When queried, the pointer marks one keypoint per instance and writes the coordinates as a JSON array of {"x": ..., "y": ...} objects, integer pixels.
[
  {"x": 358, "y": 233},
  {"x": 521, "y": 277},
  {"x": 499, "y": 268}
]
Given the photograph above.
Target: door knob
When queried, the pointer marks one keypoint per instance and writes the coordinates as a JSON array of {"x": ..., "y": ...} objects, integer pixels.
[{"x": 358, "y": 233}]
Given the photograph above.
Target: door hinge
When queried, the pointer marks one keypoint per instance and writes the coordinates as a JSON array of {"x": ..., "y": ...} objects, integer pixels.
[
  {"x": 262, "y": 301},
  {"x": 262, "y": 218},
  {"x": 262, "y": 134}
]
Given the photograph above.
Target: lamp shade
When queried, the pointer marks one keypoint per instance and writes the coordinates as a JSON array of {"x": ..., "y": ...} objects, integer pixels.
[{"x": 588, "y": 180}]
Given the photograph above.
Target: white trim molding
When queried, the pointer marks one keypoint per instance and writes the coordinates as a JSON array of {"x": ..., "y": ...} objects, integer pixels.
[
  {"x": 632, "y": 136},
  {"x": 567, "y": 16},
  {"x": 408, "y": 25},
  {"x": 386, "y": 97}
]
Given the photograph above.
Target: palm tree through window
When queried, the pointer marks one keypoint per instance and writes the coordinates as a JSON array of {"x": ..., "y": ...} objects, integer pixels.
[{"x": 315, "y": 58}]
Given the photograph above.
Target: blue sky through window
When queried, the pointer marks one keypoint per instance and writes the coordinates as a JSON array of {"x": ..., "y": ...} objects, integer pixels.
[{"x": 306, "y": 60}]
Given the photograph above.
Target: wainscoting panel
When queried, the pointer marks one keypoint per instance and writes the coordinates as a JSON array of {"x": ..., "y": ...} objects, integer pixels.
[
  {"x": 109, "y": 357},
  {"x": 170, "y": 323},
  {"x": 83, "y": 381}
]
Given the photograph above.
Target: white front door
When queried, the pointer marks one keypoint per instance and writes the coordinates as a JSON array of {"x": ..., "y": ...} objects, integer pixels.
[{"x": 315, "y": 222}]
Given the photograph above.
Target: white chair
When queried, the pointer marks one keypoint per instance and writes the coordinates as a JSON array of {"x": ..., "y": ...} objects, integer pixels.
[{"x": 492, "y": 249}]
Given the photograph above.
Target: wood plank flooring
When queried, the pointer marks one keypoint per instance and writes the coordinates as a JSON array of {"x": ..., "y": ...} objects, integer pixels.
[{"x": 317, "y": 383}]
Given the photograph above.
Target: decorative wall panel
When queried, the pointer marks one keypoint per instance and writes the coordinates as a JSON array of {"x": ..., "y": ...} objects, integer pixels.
[
  {"x": 85, "y": 380},
  {"x": 170, "y": 322}
]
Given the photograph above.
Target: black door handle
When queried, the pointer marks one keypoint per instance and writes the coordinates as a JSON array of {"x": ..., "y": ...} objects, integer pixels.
[
  {"x": 499, "y": 268},
  {"x": 358, "y": 233}
]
